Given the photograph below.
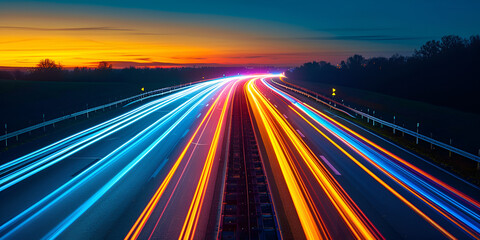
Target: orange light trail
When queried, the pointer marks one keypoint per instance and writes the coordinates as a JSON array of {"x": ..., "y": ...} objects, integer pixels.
[
  {"x": 418, "y": 170},
  {"x": 304, "y": 209},
  {"x": 428, "y": 202},
  {"x": 449, "y": 212},
  {"x": 398, "y": 195},
  {"x": 145, "y": 215},
  {"x": 356, "y": 221},
  {"x": 191, "y": 221}
]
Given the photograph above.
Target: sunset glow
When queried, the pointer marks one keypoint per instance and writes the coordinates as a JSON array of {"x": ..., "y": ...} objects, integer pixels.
[
  {"x": 79, "y": 40},
  {"x": 83, "y": 35}
]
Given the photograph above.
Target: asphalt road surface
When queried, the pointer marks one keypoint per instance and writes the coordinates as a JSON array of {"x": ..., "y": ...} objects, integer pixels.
[{"x": 158, "y": 170}]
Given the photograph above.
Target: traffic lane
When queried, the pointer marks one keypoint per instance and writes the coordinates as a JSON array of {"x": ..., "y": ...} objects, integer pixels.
[
  {"x": 287, "y": 146},
  {"x": 333, "y": 222},
  {"x": 22, "y": 195},
  {"x": 113, "y": 213},
  {"x": 327, "y": 212},
  {"x": 171, "y": 220},
  {"x": 418, "y": 161},
  {"x": 170, "y": 213},
  {"x": 459, "y": 209},
  {"x": 395, "y": 223},
  {"x": 289, "y": 223},
  {"x": 140, "y": 148},
  {"x": 129, "y": 213},
  {"x": 390, "y": 215},
  {"x": 122, "y": 221}
]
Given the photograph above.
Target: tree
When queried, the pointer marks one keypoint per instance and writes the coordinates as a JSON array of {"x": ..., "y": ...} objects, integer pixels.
[
  {"x": 452, "y": 43},
  {"x": 102, "y": 66},
  {"x": 428, "y": 50},
  {"x": 356, "y": 61},
  {"x": 47, "y": 65}
]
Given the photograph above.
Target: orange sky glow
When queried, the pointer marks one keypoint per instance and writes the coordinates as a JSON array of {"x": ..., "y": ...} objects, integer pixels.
[{"x": 156, "y": 39}]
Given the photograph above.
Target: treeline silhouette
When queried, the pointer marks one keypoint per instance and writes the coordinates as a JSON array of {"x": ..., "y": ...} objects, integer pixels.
[
  {"x": 48, "y": 70},
  {"x": 52, "y": 91},
  {"x": 445, "y": 72}
]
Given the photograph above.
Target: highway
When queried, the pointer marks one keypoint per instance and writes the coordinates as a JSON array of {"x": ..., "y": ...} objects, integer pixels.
[
  {"x": 164, "y": 169},
  {"x": 391, "y": 197}
]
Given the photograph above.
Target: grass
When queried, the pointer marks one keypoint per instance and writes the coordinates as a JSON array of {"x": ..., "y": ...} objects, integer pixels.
[{"x": 23, "y": 103}]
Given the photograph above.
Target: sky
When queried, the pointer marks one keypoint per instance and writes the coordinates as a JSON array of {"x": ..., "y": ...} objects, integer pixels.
[{"x": 223, "y": 33}]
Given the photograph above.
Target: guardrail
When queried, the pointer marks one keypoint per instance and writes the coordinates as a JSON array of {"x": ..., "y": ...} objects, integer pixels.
[
  {"x": 328, "y": 101},
  {"x": 94, "y": 109}
]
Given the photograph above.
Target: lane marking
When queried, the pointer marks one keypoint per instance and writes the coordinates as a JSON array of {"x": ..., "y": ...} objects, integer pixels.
[
  {"x": 159, "y": 168},
  {"x": 285, "y": 116},
  {"x": 206, "y": 105},
  {"x": 330, "y": 165},
  {"x": 301, "y": 134},
  {"x": 275, "y": 106},
  {"x": 199, "y": 115},
  {"x": 185, "y": 133}
]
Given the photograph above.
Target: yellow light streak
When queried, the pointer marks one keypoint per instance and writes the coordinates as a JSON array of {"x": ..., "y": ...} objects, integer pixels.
[
  {"x": 353, "y": 217},
  {"x": 303, "y": 206},
  {"x": 191, "y": 221},
  {"x": 144, "y": 216},
  {"x": 404, "y": 200}
]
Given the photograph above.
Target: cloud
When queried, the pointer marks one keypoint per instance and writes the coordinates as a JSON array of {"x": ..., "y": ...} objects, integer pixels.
[
  {"x": 126, "y": 64},
  {"x": 189, "y": 58},
  {"x": 128, "y": 31},
  {"x": 374, "y": 38},
  {"x": 363, "y": 38},
  {"x": 148, "y": 34},
  {"x": 356, "y": 29},
  {"x": 247, "y": 57},
  {"x": 144, "y": 59},
  {"x": 67, "y": 29},
  {"x": 17, "y": 41}
]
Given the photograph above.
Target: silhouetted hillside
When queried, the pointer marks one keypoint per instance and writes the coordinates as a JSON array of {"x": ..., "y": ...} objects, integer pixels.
[{"x": 445, "y": 72}]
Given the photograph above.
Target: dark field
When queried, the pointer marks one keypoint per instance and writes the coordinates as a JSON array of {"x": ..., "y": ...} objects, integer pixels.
[{"x": 22, "y": 103}]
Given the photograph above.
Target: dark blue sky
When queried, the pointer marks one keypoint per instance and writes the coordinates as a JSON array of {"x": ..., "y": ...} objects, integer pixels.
[
  {"x": 396, "y": 19},
  {"x": 331, "y": 29}
]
